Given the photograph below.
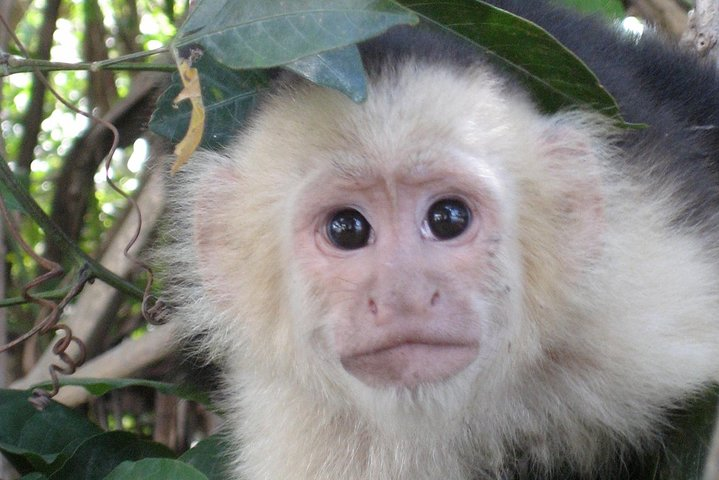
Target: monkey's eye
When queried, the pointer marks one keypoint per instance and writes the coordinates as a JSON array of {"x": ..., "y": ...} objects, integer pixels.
[
  {"x": 448, "y": 218},
  {"x": 348, "y": 229}
]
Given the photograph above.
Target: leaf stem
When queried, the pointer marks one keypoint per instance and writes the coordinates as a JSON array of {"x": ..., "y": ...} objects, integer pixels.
[{"x": 14, "y": 64}]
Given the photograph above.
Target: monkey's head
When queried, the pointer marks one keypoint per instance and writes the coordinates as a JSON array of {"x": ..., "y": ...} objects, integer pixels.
[
  {"x": 444, "y": 281},
  {"x": 384, "y": 245}
]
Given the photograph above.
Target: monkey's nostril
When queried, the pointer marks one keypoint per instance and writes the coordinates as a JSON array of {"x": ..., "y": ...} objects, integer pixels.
[
  {"x": 435, "y": 299},
  {"x": 372, "y": 306}
]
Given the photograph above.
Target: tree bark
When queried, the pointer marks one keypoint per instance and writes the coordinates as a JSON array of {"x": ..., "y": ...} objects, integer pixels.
[
  {"x": 35, "y": 112},
  {"x": 101, "y": 84},
  {"x": 703, "y": 30}
]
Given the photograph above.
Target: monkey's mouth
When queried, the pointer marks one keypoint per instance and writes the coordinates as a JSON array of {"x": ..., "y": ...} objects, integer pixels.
[{"x": 410, "y": 364}]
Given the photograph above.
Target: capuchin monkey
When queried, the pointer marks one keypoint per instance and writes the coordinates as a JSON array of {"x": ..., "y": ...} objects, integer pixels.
[{"x": 443, "y": 282}]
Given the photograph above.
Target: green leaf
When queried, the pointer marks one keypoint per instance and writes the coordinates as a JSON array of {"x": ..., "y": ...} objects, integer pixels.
[
  {"x": 228, "y": 96},
  {"x": 210, "y": 457},
  {"x": 97, "y": 456},
  {"x": 33, "y": 476},
  {"x": 340, "y": 69},
  {"x": 39, "y": 439},
  {"x": 155, "y": 469},
  {"x": 267, "y": 33},
  {"x": 610, "y": 8},
  {"x": 556, "y": 77},
  {"x": 100, "y": 386}
]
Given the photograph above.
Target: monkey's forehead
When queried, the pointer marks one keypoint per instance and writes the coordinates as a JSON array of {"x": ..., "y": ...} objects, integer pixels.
[{"x": 413, "y": 110}]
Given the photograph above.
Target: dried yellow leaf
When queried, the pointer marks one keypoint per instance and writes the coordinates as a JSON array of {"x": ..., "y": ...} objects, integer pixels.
[{"x": 190, "y": 91}]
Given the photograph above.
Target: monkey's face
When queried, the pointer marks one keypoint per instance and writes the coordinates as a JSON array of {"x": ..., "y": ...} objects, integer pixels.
[{"x": 404, "y": 262}]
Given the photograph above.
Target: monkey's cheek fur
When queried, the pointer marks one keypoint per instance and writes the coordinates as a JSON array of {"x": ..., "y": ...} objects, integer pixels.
[{"x": 410, "y": 364}]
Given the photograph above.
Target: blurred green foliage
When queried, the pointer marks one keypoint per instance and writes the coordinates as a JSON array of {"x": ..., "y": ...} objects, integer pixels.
[{"x": 610, "y": 8}]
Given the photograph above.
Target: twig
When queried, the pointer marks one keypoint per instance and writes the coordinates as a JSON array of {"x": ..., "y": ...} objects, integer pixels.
[{"x": 10, "y": 64}]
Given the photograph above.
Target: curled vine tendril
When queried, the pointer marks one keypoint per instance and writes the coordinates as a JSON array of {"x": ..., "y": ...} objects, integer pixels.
[{"x": 49, "y": 323}]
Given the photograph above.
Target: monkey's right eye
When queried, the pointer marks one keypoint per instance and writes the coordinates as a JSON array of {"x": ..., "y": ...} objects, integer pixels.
[{"x": 348, "y": 229}]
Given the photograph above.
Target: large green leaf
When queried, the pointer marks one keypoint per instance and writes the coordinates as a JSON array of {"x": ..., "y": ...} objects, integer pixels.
[
  {"x": 97, "y": 456},
  {"x": 210, "y": 457},
  {"x": 556, "y": 77},
  {"x": 39, "y": 439},
  {"x": 268, "y": 33},
  {"x": 62, "y": 443},
  {"x": 155, "y": 469}
]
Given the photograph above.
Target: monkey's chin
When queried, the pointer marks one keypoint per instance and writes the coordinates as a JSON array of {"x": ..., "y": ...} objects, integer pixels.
[{"x": 410, "y": 364}]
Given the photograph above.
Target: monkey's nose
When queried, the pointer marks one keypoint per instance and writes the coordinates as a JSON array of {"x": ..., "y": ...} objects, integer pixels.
[{"x": 401, "y": 304}]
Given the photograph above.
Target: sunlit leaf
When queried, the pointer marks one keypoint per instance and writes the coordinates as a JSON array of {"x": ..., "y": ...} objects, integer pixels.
[{"x": 267, "y": 33}]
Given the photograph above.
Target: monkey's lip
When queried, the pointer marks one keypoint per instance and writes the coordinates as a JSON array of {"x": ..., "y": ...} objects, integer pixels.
[{"x": 409, "y": 363}]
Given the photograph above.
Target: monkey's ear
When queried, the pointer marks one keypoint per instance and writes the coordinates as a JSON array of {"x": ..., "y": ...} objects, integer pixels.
[
  {"x": 573, "y": 151},
  {"x": 213, "y": 221}
]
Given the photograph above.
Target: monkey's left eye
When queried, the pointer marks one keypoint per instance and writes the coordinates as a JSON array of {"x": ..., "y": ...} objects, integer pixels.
[
  {"x": 448, "y": 218},
  {"x": 348, "y": 229}
]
